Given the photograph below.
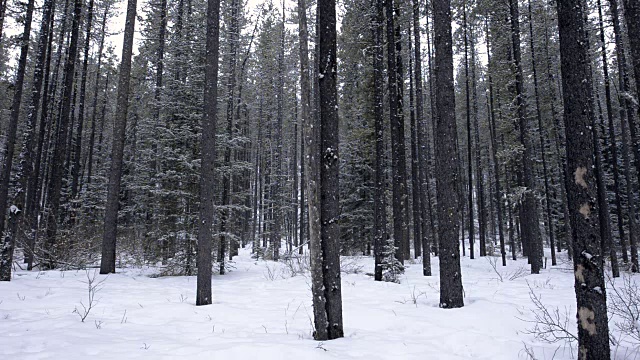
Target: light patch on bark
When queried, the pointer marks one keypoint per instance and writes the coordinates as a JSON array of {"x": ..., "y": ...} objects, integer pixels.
[
  {"x": 585, "y": 210},
  {"x": 587, "y": 320},
  {"x": 579, "y": 274},
  {"x": 579, "y": 176},
  {"x": 583, "y": 352}
]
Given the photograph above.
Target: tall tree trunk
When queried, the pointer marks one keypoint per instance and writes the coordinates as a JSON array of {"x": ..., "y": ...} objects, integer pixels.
[
  {"x": 559, "y": 142},
  {"x": 451, "y": 293},
  {"x": 542, "y": 142},
  {"x": 379, "y": 198},
  {"x": 108, "y": 260},
  {"x": 329, "y": 254},
  {"x": 614, "y": 151},
  {"x": 593, "y": 330},
  {"x": 226, "y": 177},
  {"x": 305, "y": 96},
  {"x": 528, "y": 208},
  {"x": 415, "y": 182},
  {"x": 482, "y": 219},
  {"x": 57, "y": 167},
  {"x": 31, "y": 169},
  {"x": 6, "y": 253},
  {"x": 626, "y": 115},
  {"x": 278, "y": 154},
  {"x": 469, "y": 143},
  {"x": 207, "y": 176},
  {"x": 422, "y": 146},
  {"x": 397, "y": 145},
  {"x": 494, "y": 155}
]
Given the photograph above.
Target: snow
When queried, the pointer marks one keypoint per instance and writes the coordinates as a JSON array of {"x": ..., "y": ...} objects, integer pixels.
[{"x": 258, "y": 315}]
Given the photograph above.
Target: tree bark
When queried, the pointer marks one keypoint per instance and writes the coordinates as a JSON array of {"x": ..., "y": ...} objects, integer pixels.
[
  {"x": 451, "y": 293},
  {"x": 6, "y": 253},
  {"x": 329, "y": 249},
  {"x": 379, "y": 198},
  {"x": 207, "y": 174},
  {"x": 593, "y": 331},
  {"x": 528, "y": 208},
  {"x": 108, "y": 260}
]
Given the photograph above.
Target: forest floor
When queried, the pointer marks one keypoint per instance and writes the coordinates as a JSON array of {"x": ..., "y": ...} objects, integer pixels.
[{"x": 260, "y": 311}]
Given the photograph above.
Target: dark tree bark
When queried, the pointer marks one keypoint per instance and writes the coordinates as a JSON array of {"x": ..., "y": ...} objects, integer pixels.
[
  {"x": 54, "y": 192},
  {"x": 379, "y": 198},
  {"x": 541, "y": 128},
  {"x": 207, "y": 173},
  {"x": 328, "y": 253},
  {"x": 627, "y": 124},
  {"x": 528, "y": 208},
  {"x": 422, "y": 149},
  {"x": 226, "y": 177},
  {"x": 278, "y": 154},
  {"x": 593, "y": 331},
  {"x": 494, "y": 155},
  {"x": 416, "y": 189},
  {"x": 397, "y": 145},
  {"x": 31, "y": 168},
  {"x": 614, "y": 150},
  {"x": 108, "y": 260},
  {"x": 75, "y": 170},
  {"x": 451, "y": 293},
  {"x": 6, "y": 253},
  {"x": 305, "y": 96},
  {"x": 469, "y": 143},
  {"x": 480, "y": 200}
]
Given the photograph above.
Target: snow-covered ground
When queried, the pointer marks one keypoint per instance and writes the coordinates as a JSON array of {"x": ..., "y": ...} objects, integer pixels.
[{"x": 261, "y": 312}]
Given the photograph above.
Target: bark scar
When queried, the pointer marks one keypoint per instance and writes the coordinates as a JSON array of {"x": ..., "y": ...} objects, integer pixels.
[{"x": 579, "y": 176}]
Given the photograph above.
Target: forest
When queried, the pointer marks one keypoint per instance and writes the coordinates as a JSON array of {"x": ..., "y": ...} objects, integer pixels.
[{"x": 447, "y": 179}]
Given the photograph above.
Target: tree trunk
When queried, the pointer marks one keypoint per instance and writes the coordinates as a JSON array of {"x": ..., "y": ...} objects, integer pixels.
[
  {"x": 379, "y": 198},
  {"x": 469, "y": 143},
  {"x": 593, "y": 331},
  {"x": 494, "y": 155},
  {"x": 207, "y": 176},
  {"x": 6, "y": 253},
  {"x": 451, "y": 293},
  {"x": 397, "y": 145},
  {"x": 614, "y": 152},
  {"x": 528, "y": 208},
  {"x": 541, "y": 134},
  {"x": 626, "y": 114},
  {"x": 326, "y": 256},
  {"x": 108, "y": 261}
]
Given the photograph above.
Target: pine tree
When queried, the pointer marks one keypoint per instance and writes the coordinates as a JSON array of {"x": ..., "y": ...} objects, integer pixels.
[{"x": 593, "y": 332}]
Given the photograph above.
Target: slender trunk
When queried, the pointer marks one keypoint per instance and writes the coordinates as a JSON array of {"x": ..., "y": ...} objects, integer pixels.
[
  {"x": 396, "y": 145},
  {"x": 494, "y": 155},
  {"x": 6, "y": 253},
  {"x": 451, "y": 292},
  {"x": 626, "y": 115},
  {"x": 58, "y": 170},
  {"x": 528, "y": 208},
  {"x": 207, "y": 177},
  {"x": 415, "y": 183},
  {"x": 469, "y": 143},
  {"x": 108, "y": 260},
  {"x": 542, "y": 142}
]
